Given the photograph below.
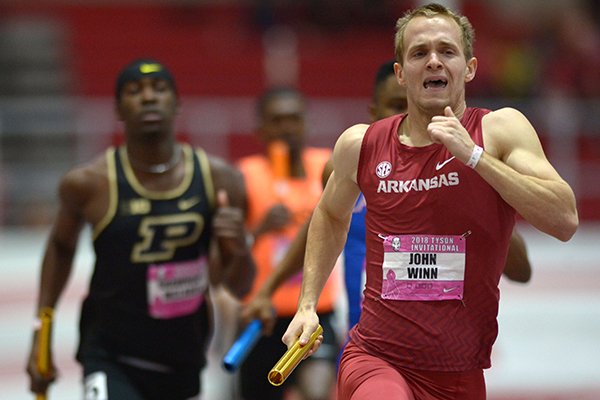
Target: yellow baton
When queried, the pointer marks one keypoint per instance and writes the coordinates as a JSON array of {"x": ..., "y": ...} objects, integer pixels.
[
  {"x": 290, "y": 360},
  {"x": 43, "y": 360}
]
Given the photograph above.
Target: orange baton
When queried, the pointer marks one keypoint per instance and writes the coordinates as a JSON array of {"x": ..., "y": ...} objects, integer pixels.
[{"x": 279, "y": 155}]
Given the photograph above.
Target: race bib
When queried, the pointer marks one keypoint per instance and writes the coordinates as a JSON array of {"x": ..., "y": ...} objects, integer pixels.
[
  {"x": 423, "y": 267},
  {"x": 176, "y": 289}
]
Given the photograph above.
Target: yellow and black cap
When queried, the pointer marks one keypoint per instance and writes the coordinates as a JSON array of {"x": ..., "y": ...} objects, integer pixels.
[{"x": 142, "y": 68}]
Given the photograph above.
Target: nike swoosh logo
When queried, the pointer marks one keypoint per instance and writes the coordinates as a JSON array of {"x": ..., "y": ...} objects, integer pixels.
[
  {"x": 440, "y": 165},
  {"x": 446, "y": 290},
  {"x": 186, "y": 204}
]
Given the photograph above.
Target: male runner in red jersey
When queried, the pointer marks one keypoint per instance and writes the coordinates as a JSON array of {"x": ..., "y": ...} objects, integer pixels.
[{"x": 442, "y": 184}]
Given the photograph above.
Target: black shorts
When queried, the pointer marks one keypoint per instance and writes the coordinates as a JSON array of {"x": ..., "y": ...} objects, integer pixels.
[
  {"x": 268, "y": 350},
  {"x": 110, "y": 380}
]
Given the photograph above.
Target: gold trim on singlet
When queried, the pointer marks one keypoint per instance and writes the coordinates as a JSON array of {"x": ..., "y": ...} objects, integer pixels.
[
  {"x": 207, "y": 177},
  {"x": 113, "y": 194},
  {"x": 159, "y": 195}
]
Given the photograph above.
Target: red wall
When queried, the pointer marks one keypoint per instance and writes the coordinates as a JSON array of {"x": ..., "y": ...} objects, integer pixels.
[{"x": 212, "y": 50}]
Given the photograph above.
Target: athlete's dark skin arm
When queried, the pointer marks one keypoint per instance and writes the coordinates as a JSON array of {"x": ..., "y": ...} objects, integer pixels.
[
  {"x": 232, "y": 264},
  {"x": 517, "y": 267},
  {"x": 81, "y": 191}
]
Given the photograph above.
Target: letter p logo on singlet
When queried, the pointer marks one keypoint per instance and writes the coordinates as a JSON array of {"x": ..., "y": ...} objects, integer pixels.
[{"x": 162, "y": 235}]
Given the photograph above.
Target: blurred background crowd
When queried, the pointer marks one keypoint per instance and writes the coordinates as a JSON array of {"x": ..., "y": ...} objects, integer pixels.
[{"x": 58, "y": 60}]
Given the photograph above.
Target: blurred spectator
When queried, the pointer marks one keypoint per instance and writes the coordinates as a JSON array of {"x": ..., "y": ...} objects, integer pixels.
[{"x": 284, "y": 186}]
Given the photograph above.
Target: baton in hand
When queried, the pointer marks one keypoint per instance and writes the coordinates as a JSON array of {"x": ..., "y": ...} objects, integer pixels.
[{"x": 290, "y": 360}]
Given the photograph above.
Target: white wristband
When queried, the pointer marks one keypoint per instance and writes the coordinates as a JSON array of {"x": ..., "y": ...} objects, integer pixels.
[{"x": 475, "y": 156}]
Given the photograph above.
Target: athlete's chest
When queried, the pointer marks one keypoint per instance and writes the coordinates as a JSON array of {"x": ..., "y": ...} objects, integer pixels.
[{"x": 402, "y": 171}]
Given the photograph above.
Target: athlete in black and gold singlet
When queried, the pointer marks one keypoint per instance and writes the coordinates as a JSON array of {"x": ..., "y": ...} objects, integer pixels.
[
  {"x": 167, "y": 220},
  {"x": 151, "y": 269}
]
